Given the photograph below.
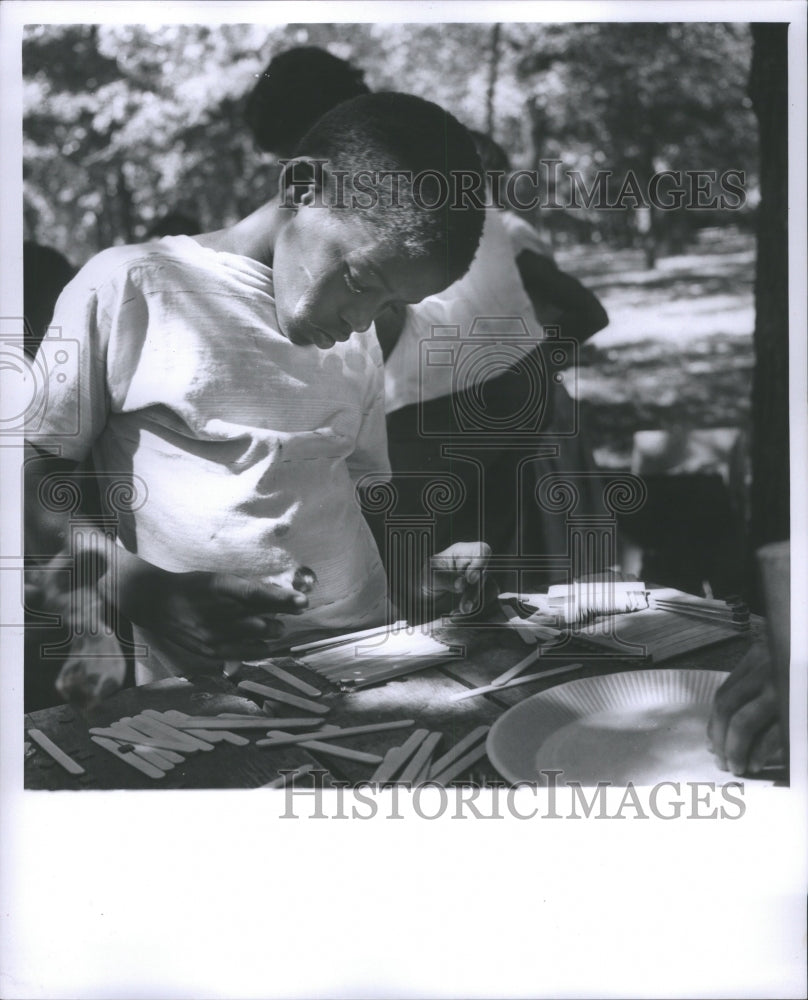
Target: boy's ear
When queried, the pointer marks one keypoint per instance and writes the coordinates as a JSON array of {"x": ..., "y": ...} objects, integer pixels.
[{"x": 301, "y": 182}]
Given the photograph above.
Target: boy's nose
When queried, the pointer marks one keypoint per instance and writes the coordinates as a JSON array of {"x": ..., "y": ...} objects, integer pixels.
[{"x": 358, "y": 319}]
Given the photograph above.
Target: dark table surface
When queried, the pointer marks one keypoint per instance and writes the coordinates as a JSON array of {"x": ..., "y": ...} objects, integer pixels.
[{"x": 425, "y": 696}]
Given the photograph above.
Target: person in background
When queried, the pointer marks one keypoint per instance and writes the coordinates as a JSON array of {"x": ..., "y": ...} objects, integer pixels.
[
  {"x": 173, "y": 223},
  {"x": 513, "y": 285},
  {"x": 45, "y": 272},
  {"x": 298, "y": 87},
  {"x": 233, "y": 383}
]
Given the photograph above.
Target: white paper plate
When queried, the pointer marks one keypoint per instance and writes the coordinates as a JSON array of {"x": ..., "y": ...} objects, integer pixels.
[{"x": 641, "y": 726}]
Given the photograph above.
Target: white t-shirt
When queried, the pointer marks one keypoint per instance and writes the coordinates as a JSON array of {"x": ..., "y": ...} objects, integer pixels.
[
  {"x": 249, "y": 447},
  {"x": 437, "y": 352}
]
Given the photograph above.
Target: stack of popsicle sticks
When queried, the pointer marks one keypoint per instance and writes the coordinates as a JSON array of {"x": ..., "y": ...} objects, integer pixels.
[
  {"x": 732, "y": 612},
  {"x": 662, "y": 634},
  {"x": 154, "y": 742},
  {"x": 371, "y": 656}
]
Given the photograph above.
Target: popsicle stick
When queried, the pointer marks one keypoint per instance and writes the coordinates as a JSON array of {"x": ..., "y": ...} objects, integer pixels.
[
  {"x": 281, "y": 696},
  {"x": 397, "y": 757},
  {"x": 527, "y": 679},
  {"x": 374, "y": 727},
  {"x": 515, "y": 622},
  {"x": 294, "y": 682},
  {"x": 171, "y": 756},
  {"x": 152, "y": 756},
  {"x": 128, "y": 757},
  {"x": 151, "y": 726},
  {"x": 517, "y": 668},
  {"x": 286, "y": 779},
  {"x": 457, "y": 751},
  {"x": 210, "y": 724},
  {"x": 218, "y": 736},
  {"x": 420, "y": 758},
  {"x": 56, "y": 753},
  {"x": 127, "y": 734},
  {"x": 463, "y": 764},
  {"x": 408, "y": 666},
  {"x": 345, "y": 752},
  {"x": 338, "y": 640}
]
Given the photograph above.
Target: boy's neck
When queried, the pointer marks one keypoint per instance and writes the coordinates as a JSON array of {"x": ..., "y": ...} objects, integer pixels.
[{"x": 253, "y": 236}]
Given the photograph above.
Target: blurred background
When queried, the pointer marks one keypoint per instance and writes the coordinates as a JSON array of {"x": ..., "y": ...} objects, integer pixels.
[{"x": 126, "y": 125}]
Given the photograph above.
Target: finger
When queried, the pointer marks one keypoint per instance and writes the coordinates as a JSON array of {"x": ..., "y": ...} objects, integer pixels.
[
  {"x": 258, "y": 597},
  {"x": 746, "y": 725},
  {"x": 743, "y": 685},
  {"x": 471, "y": 600},
  {"x": 236, "y": 628},
  {"x": 304, "y": 580},
  {"x": 767, "y": 750}
]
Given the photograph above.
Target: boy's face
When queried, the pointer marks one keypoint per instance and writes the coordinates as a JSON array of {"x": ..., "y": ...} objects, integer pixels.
[{"x": 333, "y": 274}]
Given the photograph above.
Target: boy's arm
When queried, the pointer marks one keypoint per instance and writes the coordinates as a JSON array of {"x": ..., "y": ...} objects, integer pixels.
[
  {"x": 214, "y": 615},
  {"x": 558, "y": 298}
]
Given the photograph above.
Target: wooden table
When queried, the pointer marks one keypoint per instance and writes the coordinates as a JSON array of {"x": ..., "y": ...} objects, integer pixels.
[{"x": 425, "y": 697}]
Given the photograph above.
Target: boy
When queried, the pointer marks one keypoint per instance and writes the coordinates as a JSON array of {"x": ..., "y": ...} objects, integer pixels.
[{"x": 233, "y": 380}]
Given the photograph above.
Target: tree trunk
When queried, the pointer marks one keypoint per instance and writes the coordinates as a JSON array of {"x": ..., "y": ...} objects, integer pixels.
[
  {"x": 770, "y": 500},
  {"x": 493, "y": 73}
]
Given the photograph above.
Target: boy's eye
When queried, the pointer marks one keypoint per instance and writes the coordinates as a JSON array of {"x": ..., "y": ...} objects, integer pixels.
[{"x": 353, "y": 285}]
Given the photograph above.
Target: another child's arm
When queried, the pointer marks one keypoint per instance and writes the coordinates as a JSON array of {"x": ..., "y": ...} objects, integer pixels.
[{"x": 558, "y": 298}]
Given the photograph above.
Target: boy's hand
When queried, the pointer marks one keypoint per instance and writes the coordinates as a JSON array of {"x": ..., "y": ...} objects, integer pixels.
[
  {"x": 215, "y": 615},
  {"x": 460, "y": 570},
  {"x": 744, "y": 730}
]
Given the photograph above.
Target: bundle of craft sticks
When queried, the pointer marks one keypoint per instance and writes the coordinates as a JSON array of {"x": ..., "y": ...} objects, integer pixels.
[
  {"x": 626, "y": 618},
  {"x": 357, "y": 659}
]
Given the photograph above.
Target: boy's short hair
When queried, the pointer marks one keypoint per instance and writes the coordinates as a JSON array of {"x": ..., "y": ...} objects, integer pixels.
[
  {"x": 433, "y": 158},
  {"x": 298, "y": 87}
]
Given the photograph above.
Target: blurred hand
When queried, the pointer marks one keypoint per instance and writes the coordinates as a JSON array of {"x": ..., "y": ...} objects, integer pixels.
[
  {"x": 215, "y": 615},
  {"x": 744, "y": 728},
  {"x": 460, "y": 571}
]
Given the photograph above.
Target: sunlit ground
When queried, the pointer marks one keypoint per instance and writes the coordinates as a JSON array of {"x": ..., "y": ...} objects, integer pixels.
[{"x": 678, "y": 349}]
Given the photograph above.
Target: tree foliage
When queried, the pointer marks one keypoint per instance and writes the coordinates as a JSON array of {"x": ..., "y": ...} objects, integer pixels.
[{"x": 125, "y": 122}]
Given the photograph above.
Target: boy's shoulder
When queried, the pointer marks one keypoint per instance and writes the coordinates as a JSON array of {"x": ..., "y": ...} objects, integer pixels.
[{"x": 117, "y": 264}]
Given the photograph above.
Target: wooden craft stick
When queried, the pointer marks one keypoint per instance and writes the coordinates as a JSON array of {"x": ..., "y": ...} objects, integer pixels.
[
  {"x": 210, "y": 724},
  {"x": 517, "y": 668},
  {"x": 457, "y": 751},
  {"x": 285, "y": 699},
  {"x": 218, "y": 736},
  {"x": 463, "y": 764},
  {"x": 151, "y": 726},
  {"x": 736, "y": 621},
  {"x": 291, "y": 680},
  {"x": 411, "y": 666},
  {"x": 152, "y": 756},
  {"x": 344, "y": 752},
  {"x": 126, "y": 734},
  {"x": 420, "y": 758},
  {"x": 149, "y": 751},
  {"x": 527, "y": 679},
  {"x": 45, "y": 743},
  {"x": 286, "y": 779},
  {"x": 335, "y": 732},
  {"x": 515, "y": 622},
  {"x": 128, "y": 757},
  {"x": 397, "y": 757},
  {"x": 338, "y": 640}
]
